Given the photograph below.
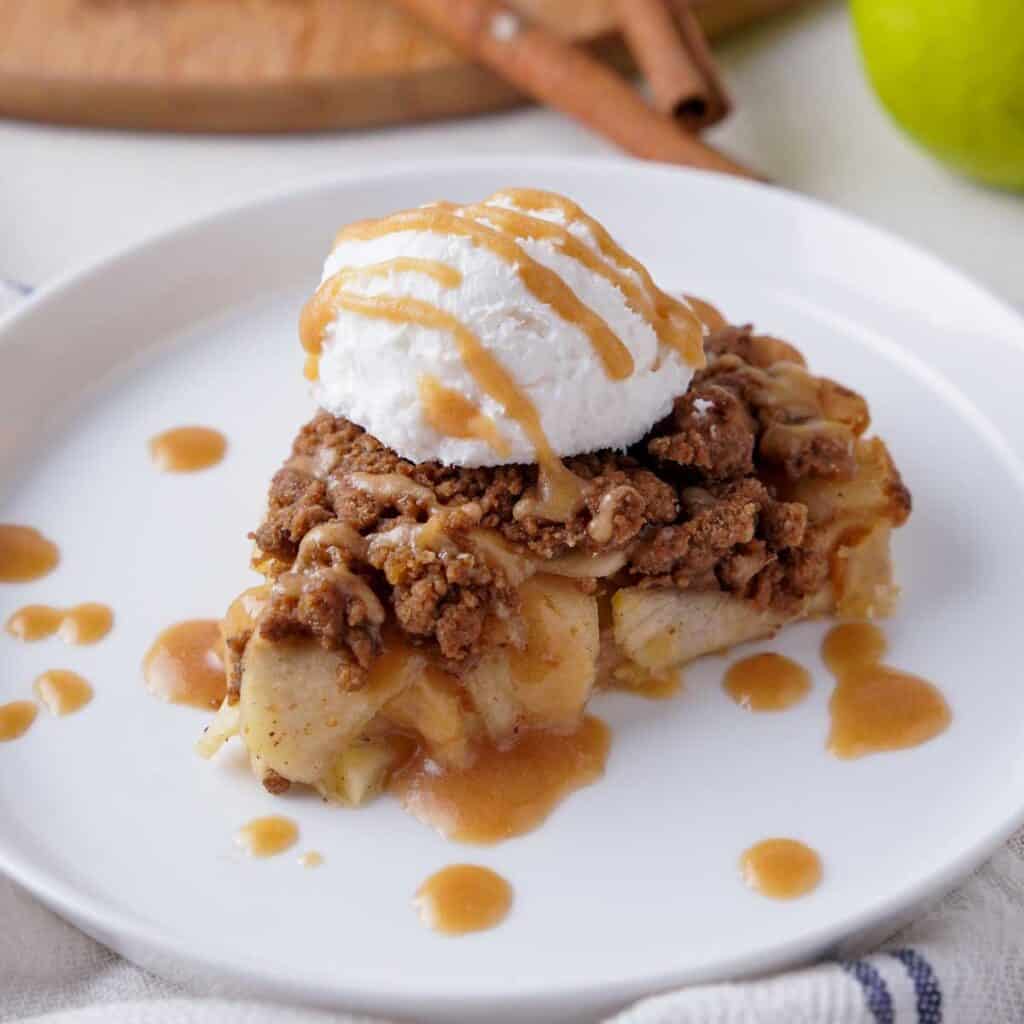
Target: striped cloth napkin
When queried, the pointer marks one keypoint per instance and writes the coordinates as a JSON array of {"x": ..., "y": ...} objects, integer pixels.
[{"x": 961, "y": 962}]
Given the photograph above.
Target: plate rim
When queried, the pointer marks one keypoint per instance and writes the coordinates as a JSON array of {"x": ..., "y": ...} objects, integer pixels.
[{"x": 122, "y": 930}]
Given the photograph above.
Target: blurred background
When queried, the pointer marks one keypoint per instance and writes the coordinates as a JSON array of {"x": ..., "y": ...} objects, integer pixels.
[{"x": 909, "y": 113}]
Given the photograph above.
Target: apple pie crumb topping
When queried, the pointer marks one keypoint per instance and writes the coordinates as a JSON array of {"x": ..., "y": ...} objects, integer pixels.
[{"x": 735, "y": 491}]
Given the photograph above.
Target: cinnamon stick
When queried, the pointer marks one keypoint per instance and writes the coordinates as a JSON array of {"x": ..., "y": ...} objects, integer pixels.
[
  {"x": 669, "y": 47},
  {"x": 568, "y": 79}
]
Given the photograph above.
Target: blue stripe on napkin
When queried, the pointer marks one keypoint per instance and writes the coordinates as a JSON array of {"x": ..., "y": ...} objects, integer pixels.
[
  {"x": 927, "y": 991},
  {"x": 876, "y": 992}
]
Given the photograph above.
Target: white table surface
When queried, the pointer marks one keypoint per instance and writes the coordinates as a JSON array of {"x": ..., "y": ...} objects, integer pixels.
[{"x": 805, "y": 117}]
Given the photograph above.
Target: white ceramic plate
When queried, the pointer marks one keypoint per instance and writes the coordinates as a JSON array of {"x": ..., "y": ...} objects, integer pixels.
[{"x": 632, "y": 885}]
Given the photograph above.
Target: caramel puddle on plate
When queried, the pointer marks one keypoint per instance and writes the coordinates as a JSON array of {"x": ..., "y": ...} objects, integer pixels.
[
  {"x": 267, "y": 837},
  {"x": 311, "y": 859},
  {"x": 184, "y": 665},
  {"x": 187, "y": 449},
  {"x": 875, "y": 707},
  {"x": 850, "y": 644},
  {"x": 16, "y": 718},
  {"x": 504, "y": 793},
  {"x": 25, "y": 554},
  {"x": 782, "y": 869},
  {"x": 83, "y": 624},
  {"x": 767, "y": 682},
  {"x": 463, "y": 898},
  {"x": 62, "y": 692}
]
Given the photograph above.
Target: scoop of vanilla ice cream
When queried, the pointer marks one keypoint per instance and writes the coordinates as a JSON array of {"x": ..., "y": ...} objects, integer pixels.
[{"x": 370, "y": 367}]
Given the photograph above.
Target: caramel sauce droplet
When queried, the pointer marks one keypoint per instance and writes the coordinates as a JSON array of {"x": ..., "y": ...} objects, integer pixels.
[
  {"x": 83, "y": 624},
  {"x": 185, "y": 665},
  {"x": 876, "y": 708},
  {"x": 782, "y": 869},
  {"x": 463, "y": 898},
  {"x": 25, "y": 554},
  {"x": 34, "y": 622},
  {"x": 16, "y": 718},
  {"x": 767, "y": 682},
  {"x": 504, "y": 793},
  {"x": 267, "y": 837},
  {"x": 311, "y": 859},
  {"x": 850, "y": 644},
  {"x": 62, "y": 692},
  {"x": 86, "y": 623},
  {"x": 451, "y": 414},
  {"x": 187, "y": 449}
]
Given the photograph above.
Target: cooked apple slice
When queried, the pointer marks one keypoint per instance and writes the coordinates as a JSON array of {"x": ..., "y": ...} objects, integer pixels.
[
  {"x": 296, "y": 718},
  {"x": 875, "y": 490},
  {"x": 546, "y": 681},
  {"x": 360, "y": 771},
  {"x": 432, "y": 709},
  {"x": 862, "y": 582},
  {"x": 658, "y": 629}
]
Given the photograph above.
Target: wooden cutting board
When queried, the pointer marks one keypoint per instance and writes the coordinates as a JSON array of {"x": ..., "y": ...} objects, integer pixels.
[{"x": 269, "y": 65}]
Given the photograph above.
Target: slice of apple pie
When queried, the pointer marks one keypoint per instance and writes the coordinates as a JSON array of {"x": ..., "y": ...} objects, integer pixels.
[
  {"x": 409, "y": 599},
  {"x": 438, "y": 607}
]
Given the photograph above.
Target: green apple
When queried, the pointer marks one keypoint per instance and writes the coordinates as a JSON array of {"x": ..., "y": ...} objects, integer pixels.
[{"x": 951, "y": 72}]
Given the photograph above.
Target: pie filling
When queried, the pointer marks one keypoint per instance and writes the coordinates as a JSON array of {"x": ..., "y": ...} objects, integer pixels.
[{"x": 427, "y": 627}]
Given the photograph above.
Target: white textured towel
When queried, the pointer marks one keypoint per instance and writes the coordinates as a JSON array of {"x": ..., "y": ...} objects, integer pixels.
[{"x": 960, "y": 963}]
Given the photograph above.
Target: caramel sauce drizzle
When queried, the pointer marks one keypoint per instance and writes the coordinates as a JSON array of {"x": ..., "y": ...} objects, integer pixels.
[
  {"x": 185, "y": 665},
  {"x": 709, "y": 315},
  {"x": 504, "y": 792},
  {"x": 337, "y": 535},
  {"x": 318, "y": 312},
  {"x": 187, "y": 449},
  {"x": 320, "y": 465},
  {"x": 451, "y": 414},
  {"x": 25, "y": 554},
  {"x": 782, "y": 869},
  {"x": 546, "y": 285},
  {"x": 874, "y": 707},
  {"x": 83, "y": 624},
  {"x": 684, "y": 330},
  {"x": 337, "y": 542},
  {"x": 444, "y": 274},
  {"x": 559, "y": 490},
  {"x": 62, "y": 692},
  {"x": 463, "y": 898},
  {"x": 267, "y": 837},
  {"x": 16, "y": 718},
  {"x": 388, "y": 487},
  {"x": 522, "y": 226},
  {"x": 602, "y": 526},
  {"x": 767, "y": 682}
]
